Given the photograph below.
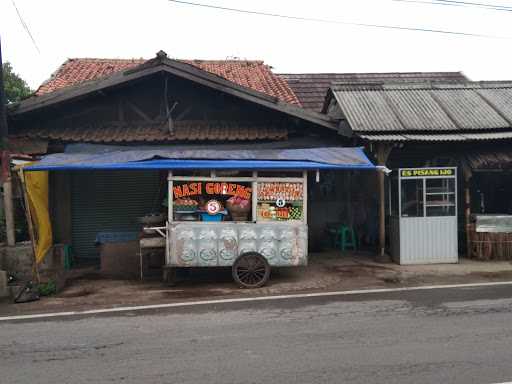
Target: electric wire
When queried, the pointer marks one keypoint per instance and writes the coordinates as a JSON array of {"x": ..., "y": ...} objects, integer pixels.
[
  {"x": 329, "y": 21},
  {"x": 462, "y": 4},
  {"x": 25, "y": 26}
]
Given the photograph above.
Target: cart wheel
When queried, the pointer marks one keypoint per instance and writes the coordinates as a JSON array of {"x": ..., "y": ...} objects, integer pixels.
[
  {"x": 170, "y": 276},
  {"x": 251, "y": 270}
]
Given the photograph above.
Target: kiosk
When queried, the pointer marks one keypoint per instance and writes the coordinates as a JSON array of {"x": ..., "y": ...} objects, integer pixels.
[{"x": 424, "y": 216}]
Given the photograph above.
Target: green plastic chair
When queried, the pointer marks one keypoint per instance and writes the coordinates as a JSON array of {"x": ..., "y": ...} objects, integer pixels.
[{"x": 346, "y": 238}]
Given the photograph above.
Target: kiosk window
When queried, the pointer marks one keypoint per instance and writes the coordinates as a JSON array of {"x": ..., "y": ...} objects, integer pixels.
[
  {"x": 412, "y": 198},
  {"x": 440, "y": 197}
]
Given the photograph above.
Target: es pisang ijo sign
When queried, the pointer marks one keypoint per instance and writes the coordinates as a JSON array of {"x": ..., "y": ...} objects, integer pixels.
[{"x": 427, "y": 172}]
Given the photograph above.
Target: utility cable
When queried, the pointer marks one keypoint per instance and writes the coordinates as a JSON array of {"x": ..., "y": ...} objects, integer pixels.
[
  {"x": 463, "y": 4},
  {"x": 319, "y": 20},
  {"x": 25, "y": 26}
]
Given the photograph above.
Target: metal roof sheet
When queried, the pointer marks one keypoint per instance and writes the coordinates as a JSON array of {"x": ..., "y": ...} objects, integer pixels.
[
  {"x": 311, "y": 88},
  {"x": 438, "y": 137},
  {"x": 431, "y": 106}
]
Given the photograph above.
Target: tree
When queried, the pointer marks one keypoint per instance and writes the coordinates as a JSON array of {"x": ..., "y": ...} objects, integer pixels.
[{"x": 15, "y": 87}]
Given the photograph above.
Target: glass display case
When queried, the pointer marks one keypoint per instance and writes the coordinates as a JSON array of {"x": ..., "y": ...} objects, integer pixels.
[{"x": 423, "y": 223}]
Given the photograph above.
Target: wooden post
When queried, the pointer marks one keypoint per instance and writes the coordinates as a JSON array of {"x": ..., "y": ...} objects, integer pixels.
[
  {"x": 9, "y": 209},
  {"x": 467, "y": 207},
  {"x": 30, "y": 223},
  {"x": 6, "y": 163},
  {"x": 382, "y": 153}
]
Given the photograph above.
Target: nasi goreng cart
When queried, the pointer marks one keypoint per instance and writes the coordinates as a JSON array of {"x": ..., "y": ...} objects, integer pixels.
[{"x": 249, "y": 223}]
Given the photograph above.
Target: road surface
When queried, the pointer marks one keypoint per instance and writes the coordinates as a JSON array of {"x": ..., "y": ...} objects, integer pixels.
[{"x": 435, "y": 336}]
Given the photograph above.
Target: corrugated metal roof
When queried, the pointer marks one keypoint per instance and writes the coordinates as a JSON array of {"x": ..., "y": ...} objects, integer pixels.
[
  {"x": 311, "y": 88},
  {"x": 496, "y": 158},
  {"x": 438, "y": 137},
  {"x": 431, "y": 106}
]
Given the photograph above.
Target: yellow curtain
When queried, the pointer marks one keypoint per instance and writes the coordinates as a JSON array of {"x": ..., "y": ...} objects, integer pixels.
[{"x": 36, "y": 183}]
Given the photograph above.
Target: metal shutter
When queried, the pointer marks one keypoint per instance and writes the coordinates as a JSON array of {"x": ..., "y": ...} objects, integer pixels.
[{"x": 109, "y": 201}]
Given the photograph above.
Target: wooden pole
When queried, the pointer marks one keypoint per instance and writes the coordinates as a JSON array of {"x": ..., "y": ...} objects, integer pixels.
[
  {"x": 382, "y": 153},
  {"x": 6, "y": 163},
  {"x": 30, "y": 223},
  {"x": 382, "y": 216},
  {"x": 467, "y": 213},
  {"x": 9, "y": 211},
  {"x": 3, "y": 102}
]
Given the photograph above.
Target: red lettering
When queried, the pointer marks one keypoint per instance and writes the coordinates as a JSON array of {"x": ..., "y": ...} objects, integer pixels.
[
  {"x": 185, "y": 189},
  {"x": 177, "y": 192}
]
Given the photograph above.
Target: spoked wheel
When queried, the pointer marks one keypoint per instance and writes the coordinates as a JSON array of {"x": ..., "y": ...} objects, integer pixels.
[{"x": 251, "y": 270}]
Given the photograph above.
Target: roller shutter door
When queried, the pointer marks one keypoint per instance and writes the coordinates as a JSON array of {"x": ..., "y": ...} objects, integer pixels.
[{"x": 106, "y": 201}]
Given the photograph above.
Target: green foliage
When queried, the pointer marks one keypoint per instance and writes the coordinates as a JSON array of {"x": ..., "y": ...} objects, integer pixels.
[
  {"x": 47, "y": 289},
  {"x": 15, "y": 87}
]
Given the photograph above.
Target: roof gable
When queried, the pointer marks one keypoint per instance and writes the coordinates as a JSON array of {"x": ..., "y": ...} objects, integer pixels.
[
  {"x": 180, "y": 69},
  {"x": 253, "y": 74}
]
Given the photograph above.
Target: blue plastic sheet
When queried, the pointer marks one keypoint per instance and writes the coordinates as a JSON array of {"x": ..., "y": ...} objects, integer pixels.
[{"x": 169, "y": 159}]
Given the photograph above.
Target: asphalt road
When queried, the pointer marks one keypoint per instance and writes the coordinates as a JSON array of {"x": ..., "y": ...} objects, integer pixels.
[{"x": 435, "y": 336}]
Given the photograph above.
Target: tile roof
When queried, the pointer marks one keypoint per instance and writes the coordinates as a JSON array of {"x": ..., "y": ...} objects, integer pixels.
[
  {"x": 183, "y": 131},
  {"x": 311, "y": 88},
  {"x": 416, "y": 110},
  {"x": 252, "y": 74}
]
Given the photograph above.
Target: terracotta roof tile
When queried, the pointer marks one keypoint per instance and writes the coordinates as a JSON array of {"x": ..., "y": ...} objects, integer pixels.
[
  {"x": 183, "y": 131},
  {"x": 252, "y": 74}
]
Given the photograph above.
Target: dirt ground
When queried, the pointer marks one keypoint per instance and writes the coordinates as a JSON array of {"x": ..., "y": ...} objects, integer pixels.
[{"x": 88, "y": 289}]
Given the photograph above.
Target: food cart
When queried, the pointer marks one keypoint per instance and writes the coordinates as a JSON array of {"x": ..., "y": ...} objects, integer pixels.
[{"x": 250, "y": 223}]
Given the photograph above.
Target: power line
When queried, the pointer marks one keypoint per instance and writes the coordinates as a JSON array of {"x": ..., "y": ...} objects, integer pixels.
[
  {"x": 25, "y": 26},
  {"x": 463, "y": 4},
  {"x": 483, "y": 5},
  {"x": 328, "y": 21}
]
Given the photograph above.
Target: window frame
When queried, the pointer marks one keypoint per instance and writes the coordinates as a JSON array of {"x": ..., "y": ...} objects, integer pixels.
[{"x": 424, "y": 181}]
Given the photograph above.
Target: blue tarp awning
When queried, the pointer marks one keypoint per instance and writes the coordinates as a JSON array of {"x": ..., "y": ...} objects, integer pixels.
[{"x": 169, "y": 159}]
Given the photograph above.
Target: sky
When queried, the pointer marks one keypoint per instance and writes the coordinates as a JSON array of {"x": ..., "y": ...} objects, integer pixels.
[{"x": 65, "y": 29}]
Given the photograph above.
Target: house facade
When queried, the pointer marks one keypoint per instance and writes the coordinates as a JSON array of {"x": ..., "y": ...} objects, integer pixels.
[{"x": 402, "y": 120}]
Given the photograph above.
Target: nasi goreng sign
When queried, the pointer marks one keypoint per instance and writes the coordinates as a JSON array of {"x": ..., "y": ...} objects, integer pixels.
[
  {"x": 427, "y": 172},
  {"x": 207, "y": 188}
]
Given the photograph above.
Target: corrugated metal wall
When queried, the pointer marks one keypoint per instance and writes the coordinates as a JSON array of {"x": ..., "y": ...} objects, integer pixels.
[
  {"x": 428, "y": 240},
  {"x": 107, "y": 201}
]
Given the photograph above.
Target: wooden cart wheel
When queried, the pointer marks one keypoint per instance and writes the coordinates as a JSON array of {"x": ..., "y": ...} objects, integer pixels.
[{"x": 251, "y": 270}]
